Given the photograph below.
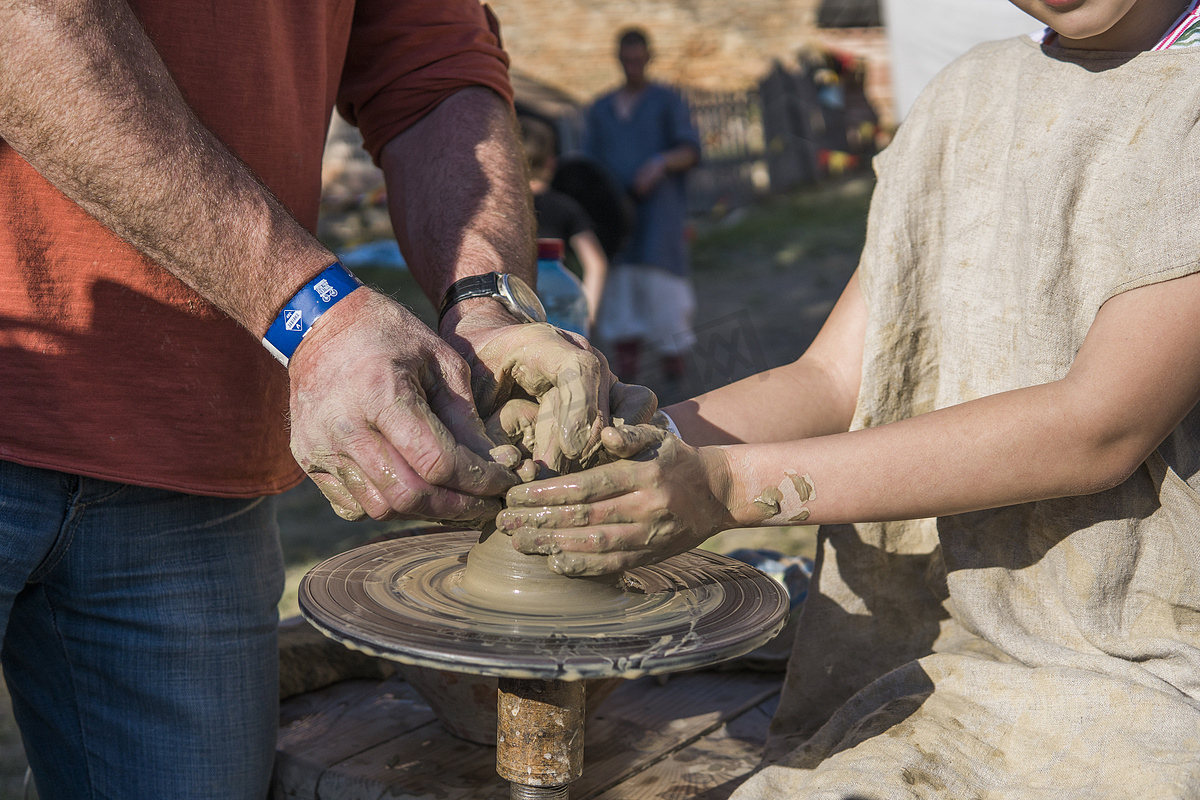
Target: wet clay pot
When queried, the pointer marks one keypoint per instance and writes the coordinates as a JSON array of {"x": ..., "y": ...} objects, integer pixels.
[{"x": 466, "y": 704}]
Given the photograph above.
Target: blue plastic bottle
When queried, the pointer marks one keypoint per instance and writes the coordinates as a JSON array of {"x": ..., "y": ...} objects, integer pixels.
[{"x": 559, "y": 290}]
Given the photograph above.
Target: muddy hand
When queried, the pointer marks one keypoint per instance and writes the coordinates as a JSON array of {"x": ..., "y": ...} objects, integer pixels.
[
  {"x": 515, "y": 423},
  {"x": 661, "y": 498},
  {"x": 575, "y": 391},
  {"x": 519, "y": 421},
  {"x": 383, "y": 421}
]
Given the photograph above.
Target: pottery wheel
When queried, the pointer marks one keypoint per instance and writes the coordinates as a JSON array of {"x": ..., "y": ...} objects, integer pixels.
[{"x": 405, "y": 600}]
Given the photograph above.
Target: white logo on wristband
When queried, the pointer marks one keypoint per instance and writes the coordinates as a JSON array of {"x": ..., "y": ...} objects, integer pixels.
[
  {"x": 325, "y": 291},
  {"x": 302, "y": 311}
]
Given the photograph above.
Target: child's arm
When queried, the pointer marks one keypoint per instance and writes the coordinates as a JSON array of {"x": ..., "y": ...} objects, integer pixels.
[
  {"x": 1134, "y": 379},
  {"x": 590, "y": 252},
  {"x": 812, "y": 396}
]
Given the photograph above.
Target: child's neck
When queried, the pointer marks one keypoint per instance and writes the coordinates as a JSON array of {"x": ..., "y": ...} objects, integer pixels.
[{"x": 1140, "y": 29}]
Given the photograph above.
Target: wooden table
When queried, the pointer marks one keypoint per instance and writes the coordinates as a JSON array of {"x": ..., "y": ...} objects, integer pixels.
[{"x": 693, "y": 735}]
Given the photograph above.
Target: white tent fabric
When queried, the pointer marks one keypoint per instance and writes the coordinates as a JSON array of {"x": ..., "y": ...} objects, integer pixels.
[{"x": 926, "y": 35}]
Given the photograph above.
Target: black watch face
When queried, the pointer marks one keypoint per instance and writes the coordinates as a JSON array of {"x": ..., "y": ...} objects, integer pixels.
[{"x": 523, "y": 297}]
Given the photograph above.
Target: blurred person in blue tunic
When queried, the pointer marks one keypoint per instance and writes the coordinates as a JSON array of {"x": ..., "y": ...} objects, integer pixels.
[{"x": 643, "y": 134}]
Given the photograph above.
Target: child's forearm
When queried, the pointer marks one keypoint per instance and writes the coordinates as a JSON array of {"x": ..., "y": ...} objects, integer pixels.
[
  {"x": 801, "y": 400},
  {"x": 595, "y": 269},
  {"x": 1009, "y": 448},
  {"x": 1135, "y": 378},
  {"x": 813, "y": 396}
]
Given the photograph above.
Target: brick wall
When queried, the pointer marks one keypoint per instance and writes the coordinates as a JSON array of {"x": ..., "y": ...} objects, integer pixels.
[{"x": 706, "y": 44}]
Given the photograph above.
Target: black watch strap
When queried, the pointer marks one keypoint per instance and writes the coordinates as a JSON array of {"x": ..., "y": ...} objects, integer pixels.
[{"x": 467, "y": 288}]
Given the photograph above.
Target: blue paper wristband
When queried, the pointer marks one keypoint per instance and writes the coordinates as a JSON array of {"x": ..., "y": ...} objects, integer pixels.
[{"x": 299, "y": 313}]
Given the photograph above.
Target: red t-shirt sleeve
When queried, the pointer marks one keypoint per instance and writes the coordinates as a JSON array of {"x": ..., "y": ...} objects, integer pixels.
[{"x": 405, "y": 58}]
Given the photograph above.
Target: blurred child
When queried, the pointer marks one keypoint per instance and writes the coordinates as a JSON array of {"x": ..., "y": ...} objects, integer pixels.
[
  {"x": 997, "y": 431},
  {"x": 559, "y": 216}
]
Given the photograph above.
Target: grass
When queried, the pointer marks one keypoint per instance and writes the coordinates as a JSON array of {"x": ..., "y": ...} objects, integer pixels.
[
  {"x": 795, "y": 540},
  {"x": 787, "y": 229}
]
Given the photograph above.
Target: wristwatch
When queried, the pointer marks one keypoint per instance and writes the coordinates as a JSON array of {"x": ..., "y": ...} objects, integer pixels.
[{"x": 514, "y": 293}]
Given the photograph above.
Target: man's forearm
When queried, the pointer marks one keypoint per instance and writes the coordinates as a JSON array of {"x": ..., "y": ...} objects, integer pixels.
[
  {"x": 86, "y": 99},
  {"x": 682, "y": 157},
  {"x": 458, "y": 193}
]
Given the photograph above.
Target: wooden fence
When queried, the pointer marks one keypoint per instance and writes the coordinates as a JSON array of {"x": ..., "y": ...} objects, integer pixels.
[
  {"x": 798, "y": 125},
  {"x": 733, "y": 170},
  {"x": 771, "y": 138}
]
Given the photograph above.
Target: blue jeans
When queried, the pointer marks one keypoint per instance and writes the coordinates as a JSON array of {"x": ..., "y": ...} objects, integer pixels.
[{"x": 141, "y": 643}]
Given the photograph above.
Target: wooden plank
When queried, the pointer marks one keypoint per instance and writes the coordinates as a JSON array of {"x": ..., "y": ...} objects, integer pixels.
[
  {"x": 426, "y": 763},
  {"x": 708, "y": 769},
  {"x": 324, "y": 727},
  {"x": 647, "y": 729},
  {"x": 753, "y": 726},
  {"x": 641, "y": 723}
]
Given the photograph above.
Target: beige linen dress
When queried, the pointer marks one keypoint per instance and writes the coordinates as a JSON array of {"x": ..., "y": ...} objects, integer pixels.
[{"x": 1045, "y": 650}]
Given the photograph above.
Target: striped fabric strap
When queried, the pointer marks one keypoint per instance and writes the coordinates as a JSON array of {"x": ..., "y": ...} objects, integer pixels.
[{"x": 1185, "y": 32}]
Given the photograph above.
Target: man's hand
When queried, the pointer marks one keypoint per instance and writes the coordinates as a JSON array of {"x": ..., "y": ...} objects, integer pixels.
[
  {"x": 460, "y": 205},
  {"x": 383, "y": 421},
  {"x": 664, "y": 497},
  {"x": 573, "y": 392},
  {"x": 649, "y": 175}
]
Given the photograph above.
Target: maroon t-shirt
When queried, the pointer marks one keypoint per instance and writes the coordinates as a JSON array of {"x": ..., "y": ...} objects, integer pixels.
[{"x": 109, "y": 366}]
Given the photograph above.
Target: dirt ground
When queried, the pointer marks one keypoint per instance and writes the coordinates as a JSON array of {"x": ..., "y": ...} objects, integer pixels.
[{"x": 765, "y": 278}]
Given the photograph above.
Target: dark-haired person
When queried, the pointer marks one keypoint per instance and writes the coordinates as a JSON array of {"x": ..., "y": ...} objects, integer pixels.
[{"x": 644, "y": 135}]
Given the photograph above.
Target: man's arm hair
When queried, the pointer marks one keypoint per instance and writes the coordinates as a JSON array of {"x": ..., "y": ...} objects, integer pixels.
[
  {"x": 86, "y": 99},
  {"x": 458, "y": 193}
]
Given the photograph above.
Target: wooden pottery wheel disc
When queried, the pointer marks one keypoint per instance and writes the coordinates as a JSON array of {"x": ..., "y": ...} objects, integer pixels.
[{"x": 415, "y": 601}]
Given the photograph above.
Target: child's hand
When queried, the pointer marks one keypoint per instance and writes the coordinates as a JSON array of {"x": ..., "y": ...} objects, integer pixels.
[{"x": 662, "y": 498}]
